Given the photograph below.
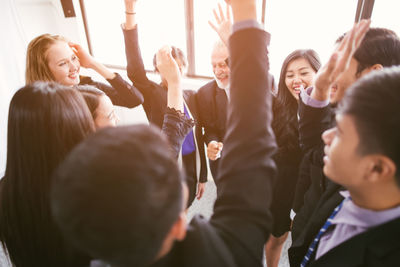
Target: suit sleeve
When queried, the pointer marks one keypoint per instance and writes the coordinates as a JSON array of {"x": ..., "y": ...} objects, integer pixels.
[
  {"x": 120, "y": 92},
  {"x": 312, "y": 123},
  {"x": 311, "y": 182},
  {"x": 207, "y": 119},
  {"x": 135, "y": 66},
  {"x": 247, "y": 170},
  {"x": 203, "y": 162}
]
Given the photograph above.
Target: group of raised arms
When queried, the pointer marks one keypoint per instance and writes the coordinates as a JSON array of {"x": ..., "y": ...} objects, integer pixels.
[{"x": 318, "y": 156}]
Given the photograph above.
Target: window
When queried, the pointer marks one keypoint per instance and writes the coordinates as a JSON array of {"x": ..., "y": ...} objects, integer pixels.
[
  {"x": 311, "y": 24},
  {"x": 205, "y": 36},
  {"x": 159, "y": 22},
  {"x": 385, "y": 13},
  {"x": 293, "y": 25}
]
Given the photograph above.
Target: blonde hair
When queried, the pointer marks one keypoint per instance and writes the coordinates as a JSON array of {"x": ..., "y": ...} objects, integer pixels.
[{"x": 37, "y": 67}]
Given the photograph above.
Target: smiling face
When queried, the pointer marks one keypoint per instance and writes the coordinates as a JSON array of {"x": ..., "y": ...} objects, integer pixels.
[
  {"x": 299, "y": 74},
  {"x": 220, "y": 68},
  {"x": 63, "y": 63}
]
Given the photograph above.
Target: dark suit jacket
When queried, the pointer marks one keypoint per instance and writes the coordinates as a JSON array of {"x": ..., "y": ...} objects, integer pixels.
[
  {"x": 311, "y": 225},
  {"x": 312, "y": 182},
  {"x": 236, "y": 233},
  {"x": 378, "y": 246},
  {"x": 213, "y": 104},
  {"x": 155, "y": 95},
  {"x": 120, "y": 92}
]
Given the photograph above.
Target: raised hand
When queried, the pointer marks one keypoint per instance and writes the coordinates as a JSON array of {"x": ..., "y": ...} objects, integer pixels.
[
  {"x": 130, "y": 14},
  {"x": 85, "y": 59},
  {"x": 224, "y": 23},
  {"x": 167, "y": 66},
  {"x": 243, "y": 9},
  {"x": 339, "y": 62},
  {"x": 169, "y": 70},
  {"x": 130, "y": 2}
]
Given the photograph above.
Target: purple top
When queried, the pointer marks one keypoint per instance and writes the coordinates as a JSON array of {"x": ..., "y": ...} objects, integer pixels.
[
  {"x": 305, "y": 95},
  {"x": 350, "y": 221},
  {"x": 188, "y": 145}
]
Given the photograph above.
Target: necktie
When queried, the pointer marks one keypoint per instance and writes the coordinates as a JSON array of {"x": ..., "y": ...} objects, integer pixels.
[{"x": 313, "y": 246}]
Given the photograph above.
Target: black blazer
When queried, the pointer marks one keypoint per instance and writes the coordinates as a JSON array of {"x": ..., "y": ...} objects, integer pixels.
[
  {"x": 312, "y": 182},
  {"x": 120, "y": 92},
  {"x": 378, "y": 246},
  {"x": 240, "y": 225},
  {"x": 155, "y": 95},
  {"x": 213, "y": 104},
  {"x": 311, "y": 225}
]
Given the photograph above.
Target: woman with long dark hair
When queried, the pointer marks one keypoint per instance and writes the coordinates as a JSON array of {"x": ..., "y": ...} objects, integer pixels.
[
  {"x": 297, "y": 73},
  {"x": 46, "y": 120}
]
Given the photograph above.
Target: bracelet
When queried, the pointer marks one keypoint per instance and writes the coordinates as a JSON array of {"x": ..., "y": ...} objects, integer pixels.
[{"x": 130, "y": 13}]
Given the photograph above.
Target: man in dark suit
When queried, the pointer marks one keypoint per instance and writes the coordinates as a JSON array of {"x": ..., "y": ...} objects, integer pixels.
[
  {"x": 379, "y": 48},
  {"x": 212, "y": 102},
  {"x": 362, "y": 227},
  {"x": 130, "y": 208}
]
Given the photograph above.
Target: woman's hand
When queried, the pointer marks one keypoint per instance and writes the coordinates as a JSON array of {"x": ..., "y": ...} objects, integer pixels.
[
  {"x": 85, "y": 59},
  {"x": 169, "y": 70},
  {"x": 167, "y": 66},
  {"x": 130, "y": 14}
]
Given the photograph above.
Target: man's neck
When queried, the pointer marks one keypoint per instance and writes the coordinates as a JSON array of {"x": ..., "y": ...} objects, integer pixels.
[{"x": 377, "y": 198}]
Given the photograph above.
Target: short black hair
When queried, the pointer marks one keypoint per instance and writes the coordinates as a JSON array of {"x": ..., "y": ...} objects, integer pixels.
[
  {"x": 379, "y": 46},
  {"x": 373, "y": 101},
  {"x": 118, "y": 193}
]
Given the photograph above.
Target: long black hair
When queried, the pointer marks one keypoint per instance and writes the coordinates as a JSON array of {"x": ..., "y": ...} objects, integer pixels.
[
  {"x": 285, "y": 122},
  {"x": 46, "y": 120}
]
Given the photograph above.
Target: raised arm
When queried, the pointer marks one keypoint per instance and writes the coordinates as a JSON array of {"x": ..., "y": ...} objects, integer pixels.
[
  {"x": 339, "y": 62},
  {"x": 176, "y": 125},
  {"x": 315, "y": 114},
  {"x": 135, "y": 67},
  {"x": 120, "y": 92},
  {"x": 224, "y": 23},
  {"x": 247, "y": 170}
]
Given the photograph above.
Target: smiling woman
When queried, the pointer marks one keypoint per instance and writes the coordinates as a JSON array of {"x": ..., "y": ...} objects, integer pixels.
[
  {"x": 63, "y": 63},
  {"x": 53, "y": 58}
]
